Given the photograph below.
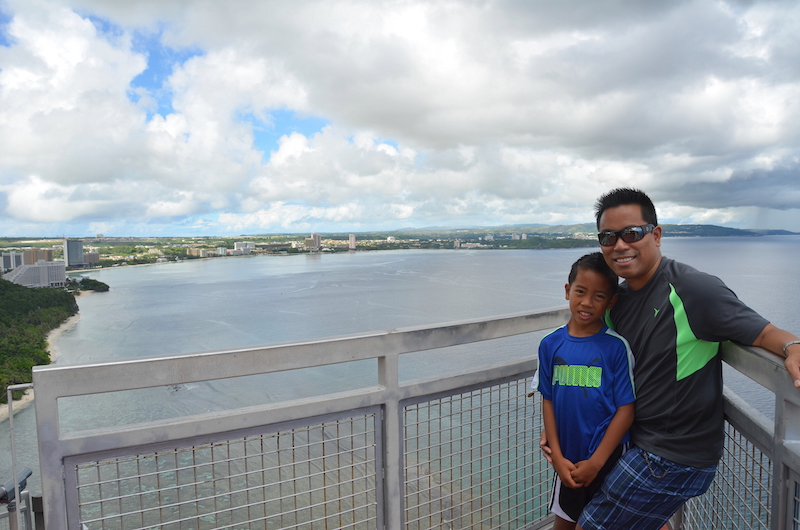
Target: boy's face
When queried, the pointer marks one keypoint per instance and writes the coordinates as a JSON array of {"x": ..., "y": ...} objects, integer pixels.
[{"x": 589, "y": 296}]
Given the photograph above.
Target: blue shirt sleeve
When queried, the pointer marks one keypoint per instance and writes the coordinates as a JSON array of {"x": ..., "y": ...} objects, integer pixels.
[
  {"x": 545, "y": 371},
  {"x": 624, "y": 390}
]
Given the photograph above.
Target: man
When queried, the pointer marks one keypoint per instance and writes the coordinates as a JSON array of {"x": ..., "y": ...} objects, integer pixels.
[{"x": 674, "y": 318}]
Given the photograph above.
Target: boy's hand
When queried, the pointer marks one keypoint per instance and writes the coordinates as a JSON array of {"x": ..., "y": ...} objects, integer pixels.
[
  {"x": 565, "y": 468},
  {"x": 584, "y": 472},
  {"x": 546, "y": 450}
]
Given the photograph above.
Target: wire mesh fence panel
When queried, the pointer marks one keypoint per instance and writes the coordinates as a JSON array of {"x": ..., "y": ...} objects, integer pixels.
[
  {"x": 316, "y": 476},
  {"x": 472, "y": 460},
  {"x": 741, "y": 494}
]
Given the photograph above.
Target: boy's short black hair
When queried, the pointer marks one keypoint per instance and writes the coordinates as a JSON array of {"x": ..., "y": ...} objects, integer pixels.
[
  {"x": 595, "y": 262},
  {"x": 622, "y": 197}
]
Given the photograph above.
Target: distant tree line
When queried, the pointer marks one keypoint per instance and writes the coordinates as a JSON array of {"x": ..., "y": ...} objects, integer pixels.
[
  {"x": 26, "y": 317},
  {"x": 546, "y": 242}
]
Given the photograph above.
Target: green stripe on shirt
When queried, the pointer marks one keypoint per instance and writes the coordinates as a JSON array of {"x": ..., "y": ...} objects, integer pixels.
[{"x": 693, "y": 353}]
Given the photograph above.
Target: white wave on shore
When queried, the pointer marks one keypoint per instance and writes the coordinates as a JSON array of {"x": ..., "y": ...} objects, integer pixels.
[{"x": 54, "y": 335}]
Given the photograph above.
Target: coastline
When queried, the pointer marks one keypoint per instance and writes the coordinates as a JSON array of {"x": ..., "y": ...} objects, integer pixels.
[
  {"x": 18, "y": 404},
  {"x": 52, "y": 351},
  {"x": 55, "y": 334}
]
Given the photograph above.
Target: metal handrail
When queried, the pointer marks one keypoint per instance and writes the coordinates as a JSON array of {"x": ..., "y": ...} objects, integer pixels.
[
  {"x": 779, "y": 440},
  {"x": 62, "y": 381},
  {"x": 14, "y": 471}
]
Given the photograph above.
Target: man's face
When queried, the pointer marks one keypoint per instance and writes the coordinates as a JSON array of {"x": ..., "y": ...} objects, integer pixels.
[{"x": 637, "y": 261}]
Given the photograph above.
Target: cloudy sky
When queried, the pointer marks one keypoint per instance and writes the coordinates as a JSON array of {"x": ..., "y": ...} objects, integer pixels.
[{"x": 201, "y": 117}]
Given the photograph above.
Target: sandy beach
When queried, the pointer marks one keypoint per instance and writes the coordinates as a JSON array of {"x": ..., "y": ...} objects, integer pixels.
[
  {"x": 54, "y": 335},
  {"x": 52, "y": 350}
]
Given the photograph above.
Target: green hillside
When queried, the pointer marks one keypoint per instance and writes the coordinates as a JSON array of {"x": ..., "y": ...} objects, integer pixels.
[{"x": 26, "y": 317}]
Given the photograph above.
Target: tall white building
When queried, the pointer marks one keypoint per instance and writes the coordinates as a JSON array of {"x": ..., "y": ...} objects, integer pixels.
[
  {"x": 41, "y": 274},
  {"x": 11, "y": 260},
  {"x": 352, "y": 242},
  {"x": 73, "y": 252},
  {"x": 245, "y": 246},
  {"x": 314, "y": 242}
]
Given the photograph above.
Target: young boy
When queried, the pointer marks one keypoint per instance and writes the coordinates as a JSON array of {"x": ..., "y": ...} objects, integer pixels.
[{"x": 586, "y": 380}]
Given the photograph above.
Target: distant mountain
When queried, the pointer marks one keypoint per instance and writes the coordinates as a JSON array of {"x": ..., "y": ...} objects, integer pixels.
[
  {"x": 584, "y": 230},
  {"x": 717, "y": 231},
  {"x": 773, "y": 232},
  {"x": 704, "y": 231},
  {"x": 574, "y": 231}
]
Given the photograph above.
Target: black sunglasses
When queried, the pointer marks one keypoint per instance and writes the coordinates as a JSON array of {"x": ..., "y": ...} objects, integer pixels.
[{"x": 608, "y": 238}]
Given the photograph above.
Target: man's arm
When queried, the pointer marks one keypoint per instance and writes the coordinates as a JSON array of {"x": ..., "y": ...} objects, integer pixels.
[
  {"x": 586, "y": 470},
  {"x": 774, "y": 339},
  {"x": 562, "y": 466}
]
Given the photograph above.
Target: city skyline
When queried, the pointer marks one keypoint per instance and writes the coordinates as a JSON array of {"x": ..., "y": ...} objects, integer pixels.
[{"x": 345, "y": 116}]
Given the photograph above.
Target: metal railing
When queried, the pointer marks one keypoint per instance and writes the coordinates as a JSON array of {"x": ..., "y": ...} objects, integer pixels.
[
  {"x": 13, "y": 492},
  {"x": 757, "y": 485},
  {"x": 455, "y": 451},
  {"x": 459, "y": 451}
]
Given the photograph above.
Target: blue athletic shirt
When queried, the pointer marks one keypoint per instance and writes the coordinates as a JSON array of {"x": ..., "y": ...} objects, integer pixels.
[{"x": 586, "y": 379}]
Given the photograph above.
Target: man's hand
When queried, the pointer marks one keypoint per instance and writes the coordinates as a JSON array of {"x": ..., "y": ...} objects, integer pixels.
[
  {"x": 548, "y": 453},
  {"x": 792, "y": 363},
  {"x": 779, "y": 341}
]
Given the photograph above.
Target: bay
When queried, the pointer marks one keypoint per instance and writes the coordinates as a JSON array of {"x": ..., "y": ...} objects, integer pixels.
[{"x": 225, "y": 303}]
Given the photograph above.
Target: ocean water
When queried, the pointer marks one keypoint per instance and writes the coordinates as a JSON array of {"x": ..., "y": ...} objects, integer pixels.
[{"x": 226, "y": 303}]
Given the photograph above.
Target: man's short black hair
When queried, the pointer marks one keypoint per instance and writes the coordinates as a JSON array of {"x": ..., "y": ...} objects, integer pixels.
[
  {"x": 622, "y": 197},
  {"x": 595, "y": 262}
]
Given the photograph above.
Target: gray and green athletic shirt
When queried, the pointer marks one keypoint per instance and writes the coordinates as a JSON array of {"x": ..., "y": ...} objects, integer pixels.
[{"x": 674, "y": 325}]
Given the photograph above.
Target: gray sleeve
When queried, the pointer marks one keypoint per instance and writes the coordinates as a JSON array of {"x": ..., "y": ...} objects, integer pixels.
[{"x": 715, "y": 313}]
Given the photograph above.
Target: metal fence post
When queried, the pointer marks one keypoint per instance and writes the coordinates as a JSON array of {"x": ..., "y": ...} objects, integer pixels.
[
  {"x": 388, "y": 377},
  {"x": 14, "y": 519}
]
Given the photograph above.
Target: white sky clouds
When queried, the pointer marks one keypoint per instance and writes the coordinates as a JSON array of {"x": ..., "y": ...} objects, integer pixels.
[{"x": 178, "y": 118}]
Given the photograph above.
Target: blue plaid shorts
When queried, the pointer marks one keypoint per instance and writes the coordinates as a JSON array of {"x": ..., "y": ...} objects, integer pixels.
[{"x": 643, "y": 491}]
